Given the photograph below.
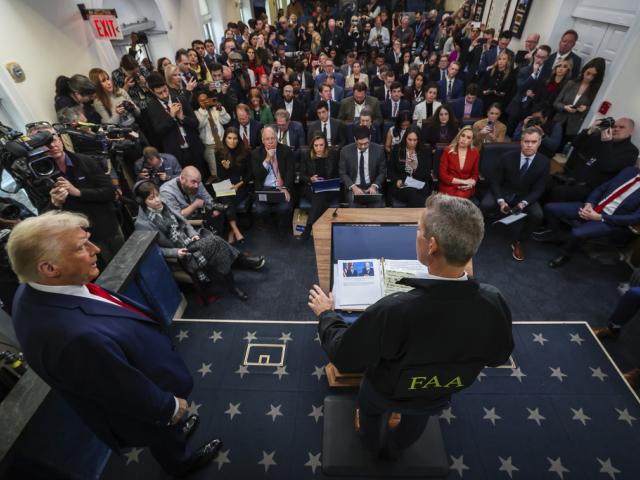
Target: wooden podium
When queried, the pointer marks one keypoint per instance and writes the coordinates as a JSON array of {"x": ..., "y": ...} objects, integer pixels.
[{"x": 322, "y": 243}]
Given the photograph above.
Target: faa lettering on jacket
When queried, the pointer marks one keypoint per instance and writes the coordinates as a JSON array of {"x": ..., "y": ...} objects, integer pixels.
[{"x": 427, "y": 382}]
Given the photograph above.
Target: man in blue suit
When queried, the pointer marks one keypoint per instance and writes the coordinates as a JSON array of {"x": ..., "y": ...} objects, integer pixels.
[
  {"x": 451, "y": 87},
  {"x": 250, "y": 130},
  {"x": 608, "y": 212},
  {"x": 105, "y": 354},
  {"x": 289, "y": 133},
  {"x": 469, "y": 106},
  {"x": 329, "y": 69}
]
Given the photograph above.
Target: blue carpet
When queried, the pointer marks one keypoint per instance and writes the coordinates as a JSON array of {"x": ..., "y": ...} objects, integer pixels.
[{"x": 564, "y": 412}]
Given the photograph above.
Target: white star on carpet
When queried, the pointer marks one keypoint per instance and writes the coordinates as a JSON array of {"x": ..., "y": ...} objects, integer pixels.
[
  {"x": 267, "y": 460},
  {"x": 516, "y": 372},
  {"x": 316, "y": 412},
  {"x": 274, "y": 412},
  {"x": 490, "y": 414},
  {"x": 556, "y": 372},
  {"x": 480, "y": 375},
  {"x": 576, "y": 338},
  {"x": 580, "y": 416},
  {"x": 598, "y": 373},
  {"x": 317, "y": 338},
  {"x": 182, "y": 335},
  {"x": 250, "y": 336},
  {"x": 133, "y": 455},
  {"x": 215, "y": 336},
  {"x": 507, "y": 466},
  {"x": 539, "y": 338},
  {"x": 625, "y": 416},
  {"x": 607, "y": 468},
  {"x": 233, "y": 410},
  {"x": 205, "y": 368},
  {"x": 314, "y": 461},
  {"x": 318, "y": 372},
  {"x": 535, "y": 415},
  {"x": 280, "y": 371},
  {"x": 242, "y": 370},
  {"x": 222, "y": 458},
  {"x": 193, "y": 408},
  {"x": 557, "y": 467},
  {"x": 447, "y": 415},
  {"x": 286, "y": 337},
  {"x": 458, "y": 464}
]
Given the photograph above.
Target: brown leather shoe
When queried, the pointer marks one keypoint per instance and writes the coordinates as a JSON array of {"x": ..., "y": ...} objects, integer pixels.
[
  {"x": 604, "y": 332},
  {"x": 633, "y": 377},
  {"x": 518, "y": 251}
]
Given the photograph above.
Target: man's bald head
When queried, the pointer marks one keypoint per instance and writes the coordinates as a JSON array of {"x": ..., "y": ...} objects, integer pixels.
[
  {"x": 190, "y": 179},
  {"x": 622, "y": 129}
]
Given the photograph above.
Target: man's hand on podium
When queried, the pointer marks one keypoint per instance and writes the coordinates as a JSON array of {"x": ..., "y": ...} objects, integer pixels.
[{"x": 319, "y": 302}]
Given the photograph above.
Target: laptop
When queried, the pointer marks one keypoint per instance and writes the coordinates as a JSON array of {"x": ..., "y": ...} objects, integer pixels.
[
  {"x": 327, "y": 185},
  {"x": 270, "y": 196},
  {"x": 368, "y": 198}
]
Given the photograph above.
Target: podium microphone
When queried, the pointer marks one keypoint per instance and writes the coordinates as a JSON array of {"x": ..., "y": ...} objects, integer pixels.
[{"x": 340, "y": 205}]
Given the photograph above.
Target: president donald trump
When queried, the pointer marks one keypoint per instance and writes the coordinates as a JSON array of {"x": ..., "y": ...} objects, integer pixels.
[{"x": 107, "y": 355}]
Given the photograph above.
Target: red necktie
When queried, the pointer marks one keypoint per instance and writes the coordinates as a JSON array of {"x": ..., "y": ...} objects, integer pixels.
[
  {"x": 102, "y": 293},
  {"x": 615, "y": 194},
  {"x": 245, "y": 137}
]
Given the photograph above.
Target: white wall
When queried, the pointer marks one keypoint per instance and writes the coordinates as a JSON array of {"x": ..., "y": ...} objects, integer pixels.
[
  {"x": 46, "y": 42},
  {"x": 549, "y": 18}
]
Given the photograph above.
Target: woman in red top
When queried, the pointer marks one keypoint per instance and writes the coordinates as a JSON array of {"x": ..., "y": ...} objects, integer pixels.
[
  {"x": 255, "y": 64},
  {"x": 459, "y": 165}
]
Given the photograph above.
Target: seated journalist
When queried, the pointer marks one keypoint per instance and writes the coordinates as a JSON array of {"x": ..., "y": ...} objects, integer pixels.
[
  {"x": 106, "y": 355},
  {"x": 203, "y": 254},
  {"x": 406, "y": 341}
]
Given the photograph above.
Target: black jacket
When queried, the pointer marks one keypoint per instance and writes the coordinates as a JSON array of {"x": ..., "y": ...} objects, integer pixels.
[
  {"x": 508, "y": 185},
  {"x": 398, "y": 162},
  {"x": 338, "y": 136},
  {"x": 464, "y": 324},
  {"x": 167, "y": 128},
  {"x": 97, "y": 196},
  {"x": 309, "y": 167},
  {"x": 595, "y": 162},
  {"x": 298, "y": 112}
]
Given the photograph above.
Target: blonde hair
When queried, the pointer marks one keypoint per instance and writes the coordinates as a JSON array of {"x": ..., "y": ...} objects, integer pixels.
[
  {"x": 169, "y": 70},
  {"x": 453, "y": 146},
  {"x": 567, "y": 76},
  {"x": 39, "y": 239},
  {"x": 507, "y": 70}
]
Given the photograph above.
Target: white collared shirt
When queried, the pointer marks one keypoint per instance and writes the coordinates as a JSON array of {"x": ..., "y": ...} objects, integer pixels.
[
  {"x": 289, "y": 107},
  {"x": 75, "y": 290}
]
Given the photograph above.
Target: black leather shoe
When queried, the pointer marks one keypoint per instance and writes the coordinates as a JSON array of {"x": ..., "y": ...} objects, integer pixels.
[
  {"x": 546, "y": 237},
  {"x": 559, "y": 261},
  {"x": 190, "y": 425},
  {"x": 250, "y": 262},
  {"x": 203, "y": 456},
  {"x": 238, "y": 292}
]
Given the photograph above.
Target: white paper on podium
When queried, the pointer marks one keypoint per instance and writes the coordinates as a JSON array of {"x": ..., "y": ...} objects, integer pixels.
[
  {"x": 355, "y": 285},
  {"x": 508, "y": 220},
  {"x": 413, "y": 183}
]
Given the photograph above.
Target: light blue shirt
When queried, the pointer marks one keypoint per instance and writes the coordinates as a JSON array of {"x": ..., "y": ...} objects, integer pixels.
[{"x": 270, "y": 180}]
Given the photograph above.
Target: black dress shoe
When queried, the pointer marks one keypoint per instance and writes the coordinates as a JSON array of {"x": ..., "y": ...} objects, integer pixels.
[
  {"x": 238, "y": 292},
  {"x": 559, "y": 261},
  {"x": 203, "y": 456},
  {"x": 546, "y": 237},
  {"x": 190, "y": 425},
  {"x": 247, "y": 261}
]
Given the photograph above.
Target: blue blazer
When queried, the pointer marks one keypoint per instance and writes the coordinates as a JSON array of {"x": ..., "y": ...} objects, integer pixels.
[
  {"x": 457, "y": 105},
  {"x": 628, "y": 213},
  {"x": 117, "y": 369},
  {"x": 457, "y": 90},
  {"x": 338, "y": 93},
  {"x": 323, "y": 76},
  {"x": 387, "y": 109},
  {"x": 296, "y": 134}
]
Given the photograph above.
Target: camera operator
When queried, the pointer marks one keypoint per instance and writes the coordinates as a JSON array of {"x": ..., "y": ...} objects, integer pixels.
[
  {"x": 600, "y": 152},
  {"x": 212, "y": 117},
  {"x": 238, "y": 78},
  {"x": 84, "y": 187},
  {"x": 379, "y": 36},
  {"x": 185, "y": 194},
  {"x": 220, "y": 88},
  {"x": 157, "y": 167},
  {"x": 133, "y": 79}
]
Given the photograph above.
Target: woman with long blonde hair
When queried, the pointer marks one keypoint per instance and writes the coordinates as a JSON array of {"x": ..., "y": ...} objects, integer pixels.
[
  {"x": 459, "y": 165},
  {"x": 499, "y": 82}
]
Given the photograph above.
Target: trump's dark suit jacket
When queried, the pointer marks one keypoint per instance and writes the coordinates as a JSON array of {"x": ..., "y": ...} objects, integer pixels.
[
  {"x": 117, "y": 369},
  {"x": 348, "y": 167}
]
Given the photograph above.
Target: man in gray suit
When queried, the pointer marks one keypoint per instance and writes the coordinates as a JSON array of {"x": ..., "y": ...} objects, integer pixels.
[
  {"x": 363, "y": 169},
  {"x": 351, "y": 107}
]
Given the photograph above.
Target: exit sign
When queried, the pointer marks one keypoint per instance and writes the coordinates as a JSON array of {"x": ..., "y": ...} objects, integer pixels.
[{"x": 106, "y": 26}]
